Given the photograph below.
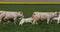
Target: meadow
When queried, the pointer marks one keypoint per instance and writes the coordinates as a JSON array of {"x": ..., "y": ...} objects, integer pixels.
[{"x": 28, "y": 10}]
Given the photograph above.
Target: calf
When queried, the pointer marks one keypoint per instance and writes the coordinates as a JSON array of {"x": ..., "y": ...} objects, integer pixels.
[{"x": 26, "y": 20}]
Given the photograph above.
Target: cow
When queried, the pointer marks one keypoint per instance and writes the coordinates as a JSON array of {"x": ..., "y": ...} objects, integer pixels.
[
  {"x": 43, "y": 16},
  {"x": 13, "y": 16},
  {"x": 8, "y": 15},
  {"x": 26, "y": 20}
]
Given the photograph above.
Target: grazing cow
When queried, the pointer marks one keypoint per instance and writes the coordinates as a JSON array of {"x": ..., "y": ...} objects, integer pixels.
[
  {"x": 26, "y": 20},
  {"x": 43, "y": 16}
]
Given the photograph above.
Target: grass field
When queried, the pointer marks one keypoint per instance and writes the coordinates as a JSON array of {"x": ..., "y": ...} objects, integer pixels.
[{"x": 28, "y": 10}]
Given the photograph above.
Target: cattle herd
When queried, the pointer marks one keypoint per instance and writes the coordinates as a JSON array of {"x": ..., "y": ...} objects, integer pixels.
[{"x": 10, "y": 16}]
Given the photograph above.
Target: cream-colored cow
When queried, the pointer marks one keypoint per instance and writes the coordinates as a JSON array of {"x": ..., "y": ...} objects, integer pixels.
[
  {"x": 7, "y": 15},
  {"x": 13, "y": 16},
  {"x": 43, "y": 16}
]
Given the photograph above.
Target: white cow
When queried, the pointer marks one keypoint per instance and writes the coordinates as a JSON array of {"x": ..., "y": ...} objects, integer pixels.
[
  {"x": 26, "y": 20},
  {"x": 13, "y": 15},
  {"x": 43, "y": 16},
  {"x": 7, "y": 15}
]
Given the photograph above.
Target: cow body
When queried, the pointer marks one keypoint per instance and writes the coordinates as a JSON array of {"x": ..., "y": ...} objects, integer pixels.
[{"x": 43, "y": 16}]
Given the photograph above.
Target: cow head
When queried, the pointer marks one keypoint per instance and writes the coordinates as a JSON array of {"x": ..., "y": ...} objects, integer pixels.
[{"x": 20, "y": 15}]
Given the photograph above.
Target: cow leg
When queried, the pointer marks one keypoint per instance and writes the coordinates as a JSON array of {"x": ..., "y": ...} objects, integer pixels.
[
  {"x": 34, "y": 22},
  {"x": 21, "y": 22},
  {"x": 0, "y": 21},
  {"x": 48, "y": 20},
  {"x": 51, "y": 20},
  {"x": 58, "y": 21},
  {"x": 8, "y": 22},
  {"x": 15, "y": 20}
]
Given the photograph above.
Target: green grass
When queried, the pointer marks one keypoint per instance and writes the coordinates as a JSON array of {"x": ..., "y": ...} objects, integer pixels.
[{"x": 28, "y": 10}]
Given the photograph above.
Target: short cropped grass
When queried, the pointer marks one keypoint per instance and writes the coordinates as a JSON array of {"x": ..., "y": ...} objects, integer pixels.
[{"x": 28, "y": 10}]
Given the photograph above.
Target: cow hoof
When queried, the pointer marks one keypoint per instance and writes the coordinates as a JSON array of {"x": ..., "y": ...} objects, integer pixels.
[{"x": 36, "y": 23}]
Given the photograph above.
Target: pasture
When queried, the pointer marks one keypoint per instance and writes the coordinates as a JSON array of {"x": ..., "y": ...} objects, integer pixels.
[{"x": 28, "y": 10}]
